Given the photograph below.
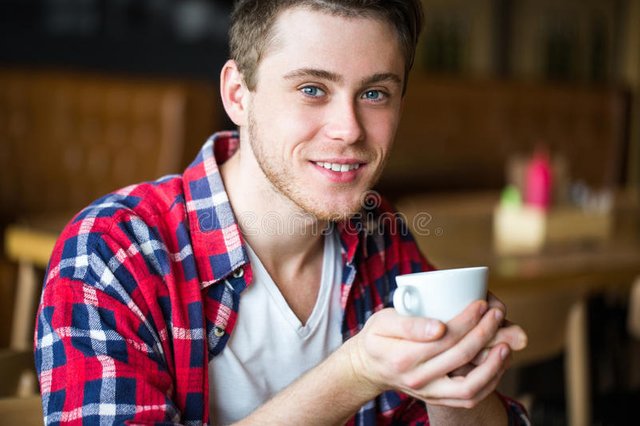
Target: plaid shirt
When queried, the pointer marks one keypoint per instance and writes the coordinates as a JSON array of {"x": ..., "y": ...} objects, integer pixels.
[{"x": 143, "y": 288}]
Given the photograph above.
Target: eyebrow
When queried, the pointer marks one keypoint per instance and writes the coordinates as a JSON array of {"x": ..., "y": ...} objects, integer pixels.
[
  {"x": 334, "y": 77},
  {"x": 312, "y": 72},
  {"x": 380, "y": 77}
]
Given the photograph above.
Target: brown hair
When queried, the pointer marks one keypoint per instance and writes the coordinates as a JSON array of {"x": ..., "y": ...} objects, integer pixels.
[{"x": 252, "y": 23}]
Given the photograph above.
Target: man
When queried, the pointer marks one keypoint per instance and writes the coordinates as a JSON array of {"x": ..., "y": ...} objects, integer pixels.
[{"x": 225, "y": 294}]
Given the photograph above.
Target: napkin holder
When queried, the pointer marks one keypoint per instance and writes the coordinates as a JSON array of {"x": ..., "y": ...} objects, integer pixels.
[{"x": 528, "y": 230}]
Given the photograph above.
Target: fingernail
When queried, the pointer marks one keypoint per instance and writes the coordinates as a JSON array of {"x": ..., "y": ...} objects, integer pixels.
[
  {"x": 523, "y": 341},
  {"x": 431, "y": 329},
  {"x": 498, "y": 314},
  {"x": 504, "y": 353}
]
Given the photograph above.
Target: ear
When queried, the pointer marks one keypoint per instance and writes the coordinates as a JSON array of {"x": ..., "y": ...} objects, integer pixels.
[{"x": 234, "y": 93}]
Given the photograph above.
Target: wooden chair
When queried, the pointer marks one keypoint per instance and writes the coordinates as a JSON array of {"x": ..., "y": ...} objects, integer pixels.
[
  {"x": 556, "y": 322},
  {"x": 31, "y": 250}
]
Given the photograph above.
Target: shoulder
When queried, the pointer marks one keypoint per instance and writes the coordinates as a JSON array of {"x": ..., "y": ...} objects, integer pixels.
[
  {"x": 128, "y": 228},
  {"x": 151, "y": 201}
]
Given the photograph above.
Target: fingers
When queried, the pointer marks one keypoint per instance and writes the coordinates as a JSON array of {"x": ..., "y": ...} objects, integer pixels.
[
  {"x": 389, "y": 323},
  {"x": 511, "y": 334},
  {"x": 460, "y": 354},
  {"x": 391, "y": 347},
  {"x": 481, "y": 357},
  {"x": 496, "y": 303},
  {"x": 417, "y": 355},
  {"x": 468, "y": 403},
  {"x": 467, "y": 391},
  {"x": 456, "y": 330},
  {"x": 469, "y": 317}
]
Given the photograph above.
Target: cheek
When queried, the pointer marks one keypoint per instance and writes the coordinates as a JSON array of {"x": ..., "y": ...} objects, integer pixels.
[
  {"x": 381, "y": 129},
  {"x": 282, "y": 119},
  {"x": 303, "y": 122},
  {"x": 295, "y": 129}
]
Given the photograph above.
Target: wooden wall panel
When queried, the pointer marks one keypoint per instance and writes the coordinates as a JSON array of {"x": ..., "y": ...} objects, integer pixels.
[
  {"x": 68, "y": 138},
  {"x": 459, "y": 134}
]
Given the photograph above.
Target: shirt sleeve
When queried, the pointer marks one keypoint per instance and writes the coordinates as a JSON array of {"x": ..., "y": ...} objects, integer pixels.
[
  {"x": 414, "y": 413},
  {"x": 100, "y": 344},
  {"x": 516, "y": 412}
]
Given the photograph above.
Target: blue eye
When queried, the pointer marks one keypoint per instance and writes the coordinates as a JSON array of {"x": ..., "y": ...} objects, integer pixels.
[
  {"x": 312, "y": 91},
  {"x": 373, "y": 95}
]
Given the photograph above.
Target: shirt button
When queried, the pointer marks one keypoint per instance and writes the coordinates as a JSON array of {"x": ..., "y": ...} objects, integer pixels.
[
  {"x": 218, "y": 331},
  {"x": 238, "y": 273}
]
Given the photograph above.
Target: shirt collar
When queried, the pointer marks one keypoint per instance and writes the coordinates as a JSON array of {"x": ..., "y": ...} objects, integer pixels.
[
  {"x": 350, "y": 232},
  {"x": 215, "y": 235}
]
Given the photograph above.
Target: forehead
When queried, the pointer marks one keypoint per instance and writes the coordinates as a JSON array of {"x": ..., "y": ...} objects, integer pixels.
[{"x": 305, "y": 37}]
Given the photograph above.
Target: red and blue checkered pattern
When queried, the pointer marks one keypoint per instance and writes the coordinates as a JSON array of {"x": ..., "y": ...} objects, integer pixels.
[{"x": 143, "y": 289}]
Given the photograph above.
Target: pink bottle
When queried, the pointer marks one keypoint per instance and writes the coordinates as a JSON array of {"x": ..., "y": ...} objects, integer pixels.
[{"x": 538, "y": 180}]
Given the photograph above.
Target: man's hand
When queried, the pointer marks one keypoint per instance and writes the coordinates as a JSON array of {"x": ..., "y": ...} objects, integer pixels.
[
  {"x": 410, "y": 354},
  {"x": 508, "y": 333},
  {"x": 416, "y": 355}
]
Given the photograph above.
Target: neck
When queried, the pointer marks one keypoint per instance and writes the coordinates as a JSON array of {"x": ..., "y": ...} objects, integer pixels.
[
  {"x": 288, "y": 242},
  {"x": 280, "y": 232}
]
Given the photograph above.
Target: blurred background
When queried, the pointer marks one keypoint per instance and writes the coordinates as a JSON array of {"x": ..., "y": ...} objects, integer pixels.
[{"x": 519, "y": 148}]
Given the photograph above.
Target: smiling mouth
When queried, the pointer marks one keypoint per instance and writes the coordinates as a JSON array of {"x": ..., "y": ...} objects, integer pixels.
[{"x": 336, "y": 167}]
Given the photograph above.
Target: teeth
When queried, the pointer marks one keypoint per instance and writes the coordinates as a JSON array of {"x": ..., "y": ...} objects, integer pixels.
[{"x": 338, "y": 167}]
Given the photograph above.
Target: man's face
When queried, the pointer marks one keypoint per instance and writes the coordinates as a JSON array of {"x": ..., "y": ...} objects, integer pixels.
[{"x": 325, "y": 109}]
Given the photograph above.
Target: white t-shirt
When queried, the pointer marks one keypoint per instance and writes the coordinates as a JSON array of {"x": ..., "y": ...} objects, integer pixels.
[{"x": 269, "y": 347}]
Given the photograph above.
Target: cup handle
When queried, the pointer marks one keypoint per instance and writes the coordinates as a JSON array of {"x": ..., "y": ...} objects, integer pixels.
[{"x": 406, "y": 301}]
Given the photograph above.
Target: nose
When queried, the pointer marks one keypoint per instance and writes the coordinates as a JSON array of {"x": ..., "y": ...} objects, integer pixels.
[{"x": 343, "y": 121}]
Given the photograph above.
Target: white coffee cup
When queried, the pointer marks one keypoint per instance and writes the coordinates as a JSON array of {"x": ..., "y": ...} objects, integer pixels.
[{"x": 440, "y": 294}]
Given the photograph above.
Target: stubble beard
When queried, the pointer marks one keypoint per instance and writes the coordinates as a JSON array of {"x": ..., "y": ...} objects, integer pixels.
[{"x": 283, "y": 183}]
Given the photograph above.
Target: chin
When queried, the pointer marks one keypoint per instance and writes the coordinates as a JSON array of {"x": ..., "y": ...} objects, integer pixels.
[{"x": 328, "y": 211}]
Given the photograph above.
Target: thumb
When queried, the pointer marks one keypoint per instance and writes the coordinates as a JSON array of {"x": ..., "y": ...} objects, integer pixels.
[{"x": 389, "y": 323}]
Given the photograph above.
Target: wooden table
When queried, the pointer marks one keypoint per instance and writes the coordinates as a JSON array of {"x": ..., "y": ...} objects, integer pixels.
[{"x": 456, "y": 231}]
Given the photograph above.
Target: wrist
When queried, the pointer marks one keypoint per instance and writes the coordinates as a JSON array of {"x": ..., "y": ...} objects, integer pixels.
[{"x": 358, "y": 371}]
